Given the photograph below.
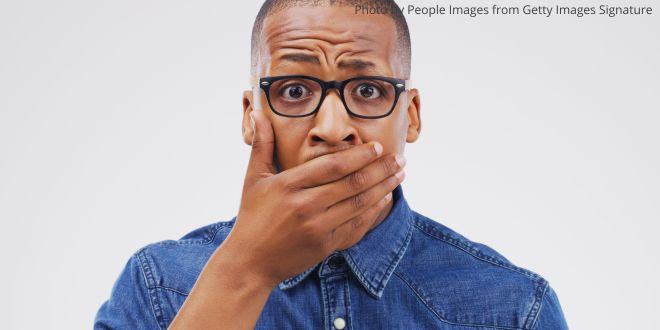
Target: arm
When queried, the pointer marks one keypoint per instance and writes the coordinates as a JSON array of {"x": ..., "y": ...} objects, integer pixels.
[
  {"x": 287, "y": 222},
  {"x": 550, "y": 316},
  {"x": 227, "y": 294}
]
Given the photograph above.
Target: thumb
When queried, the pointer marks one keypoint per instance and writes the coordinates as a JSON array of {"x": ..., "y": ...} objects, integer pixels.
[{"x": 263, "y": 144}]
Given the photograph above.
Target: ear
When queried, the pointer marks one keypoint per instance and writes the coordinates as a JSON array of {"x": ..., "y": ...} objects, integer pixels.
[
  {"x": 247, "y": 129},
  {"x": 414, "y": 118}
]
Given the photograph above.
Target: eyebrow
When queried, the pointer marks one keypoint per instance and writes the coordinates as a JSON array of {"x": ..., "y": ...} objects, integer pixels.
[
  {"x": 300, "y": 58},
  {"x": 344, "y": 64},
  {"x": 356, "y": 65}
]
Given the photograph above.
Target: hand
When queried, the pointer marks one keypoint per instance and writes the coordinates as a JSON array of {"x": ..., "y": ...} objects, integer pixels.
[{"x": 289, "y": 221}]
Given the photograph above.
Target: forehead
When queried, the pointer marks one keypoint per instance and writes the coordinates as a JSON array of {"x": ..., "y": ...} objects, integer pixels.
[{"x": 328, "y": 39}]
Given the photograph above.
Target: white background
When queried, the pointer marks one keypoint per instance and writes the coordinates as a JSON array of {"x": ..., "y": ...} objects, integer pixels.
[{"x": 120, "y": 126}]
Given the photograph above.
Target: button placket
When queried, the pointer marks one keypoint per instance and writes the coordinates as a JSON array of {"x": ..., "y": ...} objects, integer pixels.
[{"x": 334, "y": 289}]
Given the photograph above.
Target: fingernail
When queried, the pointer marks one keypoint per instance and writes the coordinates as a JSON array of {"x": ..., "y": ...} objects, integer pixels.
[
  {"x": 252, "y": 122},
  {"x": 387, "y": 197},
  {"x": 378, "y": 148},
  {"x": 400, "y": 175},
  {"x": 401, "y": 160}
]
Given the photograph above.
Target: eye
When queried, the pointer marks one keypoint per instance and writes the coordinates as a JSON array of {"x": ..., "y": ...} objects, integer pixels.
[
  {"x": 367, "y": 91},
  {"x": 295, "y": 92}
]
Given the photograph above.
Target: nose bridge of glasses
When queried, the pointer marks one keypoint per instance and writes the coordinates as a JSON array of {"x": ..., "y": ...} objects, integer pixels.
[{"x": 328, "y": 86}]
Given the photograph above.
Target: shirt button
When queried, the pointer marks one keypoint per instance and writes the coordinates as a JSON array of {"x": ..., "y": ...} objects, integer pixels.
[
  {"x": 335, "y": 262},
  {"x": 339, "y": 323}
]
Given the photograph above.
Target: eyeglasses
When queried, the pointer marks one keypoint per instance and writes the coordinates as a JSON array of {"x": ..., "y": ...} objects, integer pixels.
[{"x": 368, "y": 97}]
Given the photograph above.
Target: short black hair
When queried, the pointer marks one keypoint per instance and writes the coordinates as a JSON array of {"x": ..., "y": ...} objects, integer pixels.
[{"x": 387, "y": 7}]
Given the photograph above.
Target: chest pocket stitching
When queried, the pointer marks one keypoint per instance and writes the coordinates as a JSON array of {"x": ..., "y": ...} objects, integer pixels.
[{"x": 422, "y": 298}]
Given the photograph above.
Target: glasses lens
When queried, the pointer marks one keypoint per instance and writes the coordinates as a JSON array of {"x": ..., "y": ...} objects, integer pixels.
[
  {"x": 295, "y": 96},
  {"x": 369, "y": 97}
]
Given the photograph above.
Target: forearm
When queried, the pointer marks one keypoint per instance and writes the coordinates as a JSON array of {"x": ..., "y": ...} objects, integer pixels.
[{"x": 227, "y": 295}]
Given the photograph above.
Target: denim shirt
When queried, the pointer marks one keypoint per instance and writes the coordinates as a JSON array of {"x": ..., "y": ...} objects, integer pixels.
[{"x": 409, "y": 272}]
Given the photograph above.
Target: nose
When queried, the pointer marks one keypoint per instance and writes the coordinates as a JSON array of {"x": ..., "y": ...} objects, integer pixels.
[{"x": 332, "y": 123}]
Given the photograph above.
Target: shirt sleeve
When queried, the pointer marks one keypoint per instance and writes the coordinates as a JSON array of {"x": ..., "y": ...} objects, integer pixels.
[
  {"x": 129, "y": 306},
  {"x": 551, "y": 316}
]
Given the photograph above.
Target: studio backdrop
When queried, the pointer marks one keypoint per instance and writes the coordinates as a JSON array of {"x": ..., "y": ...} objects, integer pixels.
[{"x": 120, "y": 126}]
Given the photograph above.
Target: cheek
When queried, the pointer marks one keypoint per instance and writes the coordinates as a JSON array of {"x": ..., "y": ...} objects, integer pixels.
[
  {"x": 389, "y": 131},
  {"x": 290, "y": 137},
  {"x": 395, "y": 129}
]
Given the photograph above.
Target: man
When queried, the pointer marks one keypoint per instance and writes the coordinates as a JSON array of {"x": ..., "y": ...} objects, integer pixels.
[{"x": 324, "y": 238}]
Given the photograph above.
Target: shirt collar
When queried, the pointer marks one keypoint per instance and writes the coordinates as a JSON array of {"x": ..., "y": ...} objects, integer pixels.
[{"x": 373, "y": 259}]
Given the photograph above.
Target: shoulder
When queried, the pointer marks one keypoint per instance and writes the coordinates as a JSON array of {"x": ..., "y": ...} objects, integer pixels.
[
  {"x": 175, "y": 264},
  {"x": 468, "y": 283},
  {"x": 157, "y": 278}
]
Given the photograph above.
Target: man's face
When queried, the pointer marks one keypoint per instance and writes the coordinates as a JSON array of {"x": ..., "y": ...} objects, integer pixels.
[{"x": 331, "y": 43}]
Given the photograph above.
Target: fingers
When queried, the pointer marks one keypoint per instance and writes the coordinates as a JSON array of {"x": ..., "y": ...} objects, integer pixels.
[
  {"x": 360, "y": 180},
  {"x": 263, "y": 143},
  {"x": 352, "y": 231},
  {"x": 357, "y": 204},
  {"x": 331, "y": 167}
]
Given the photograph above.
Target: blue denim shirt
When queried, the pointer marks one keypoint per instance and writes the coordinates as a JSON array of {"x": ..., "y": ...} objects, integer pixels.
[{"x": 409, "y": 272}]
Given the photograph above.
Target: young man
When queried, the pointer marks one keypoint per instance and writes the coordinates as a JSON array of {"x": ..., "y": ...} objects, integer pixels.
[{"x": 324, "y": 238}]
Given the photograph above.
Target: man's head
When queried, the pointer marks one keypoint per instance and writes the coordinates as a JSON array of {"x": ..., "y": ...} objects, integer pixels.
[{"x": 331, "y": 40}]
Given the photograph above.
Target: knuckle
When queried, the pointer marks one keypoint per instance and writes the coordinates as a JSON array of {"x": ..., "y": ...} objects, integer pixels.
[
  {"x": 357, "y": 180},
  {"x": 333, "y": 165},
  {"x": 311, "y": 231},
  {"x": 357, "y": 221},
  {"x": 287, "y": 183},
  {"x": 388, "y": 165},
  {"x": 257, "y": 143},
  {"x": 299, "y": 215},
  {"x": 302, "y": 206},
  {"x": 358, "y": 201},
  {"x": 393, "y": 181}
]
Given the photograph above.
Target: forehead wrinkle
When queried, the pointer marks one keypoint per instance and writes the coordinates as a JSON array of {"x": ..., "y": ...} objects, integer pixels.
[
  {"x": 300, "y": 21},
  {"x": 345, "y": 60},
  {"x": 286, "y": 30},
  {"x": 332, "y": 44},
  {"x": 355, "y": 59},
  {"x": 279, "y": 56},
  {"x": 368, "y": 55},
  {"x": 290, "y": 66},
  {"x": 309, "y": 42}
]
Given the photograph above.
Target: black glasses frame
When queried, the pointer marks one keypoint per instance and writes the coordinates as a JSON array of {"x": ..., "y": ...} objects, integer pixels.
[{"x": 266, "y": 82}]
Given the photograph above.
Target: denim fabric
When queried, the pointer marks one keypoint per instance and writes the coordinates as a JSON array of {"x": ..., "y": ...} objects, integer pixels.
[{"x": 410, "y": 272}]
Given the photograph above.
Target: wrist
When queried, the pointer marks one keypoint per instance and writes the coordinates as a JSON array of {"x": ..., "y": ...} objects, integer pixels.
[{"x": 230, "y": 258}]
